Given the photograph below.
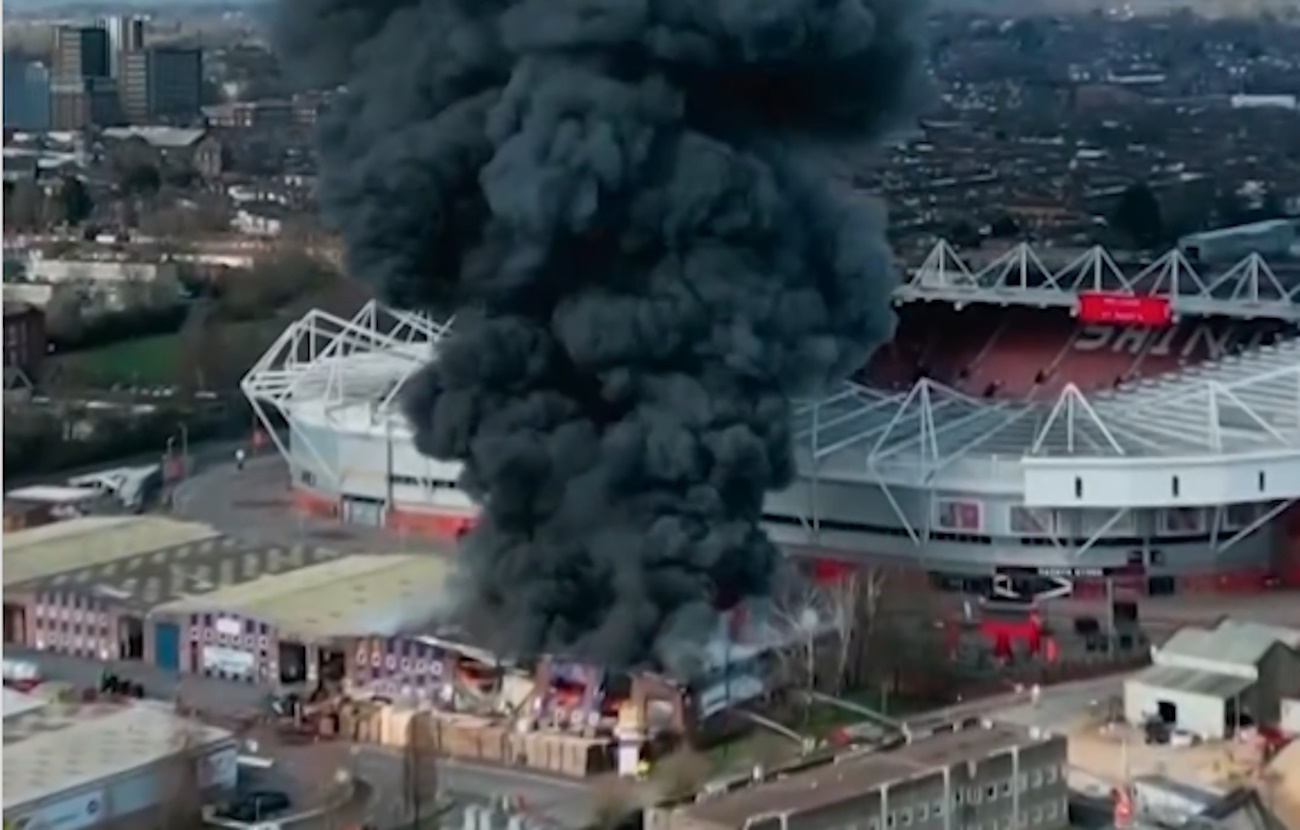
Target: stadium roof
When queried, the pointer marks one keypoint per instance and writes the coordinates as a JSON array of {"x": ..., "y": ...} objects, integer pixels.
[
  {"x": 1021, "y": 275},
  {"x": 346, "y": 373},
  {"x": 1241, "y": 404}
]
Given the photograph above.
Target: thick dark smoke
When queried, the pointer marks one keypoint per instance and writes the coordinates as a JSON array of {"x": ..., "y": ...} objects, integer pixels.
[{"x": 631, "y": 206}]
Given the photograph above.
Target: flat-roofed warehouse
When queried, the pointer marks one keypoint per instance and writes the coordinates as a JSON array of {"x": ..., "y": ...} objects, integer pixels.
[
  {"x": 308, "y": 617},
  {"x": 980, "y": 776},
  {"x": 106, "y": 764},
  {"x": 89, "y": 586},
  {"x": 1211, "y": 681},
  {"x": 51, "y": 574}
]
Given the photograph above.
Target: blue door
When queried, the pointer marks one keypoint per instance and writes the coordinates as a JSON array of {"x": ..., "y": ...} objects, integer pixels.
[{"x": 167, "y": 646}]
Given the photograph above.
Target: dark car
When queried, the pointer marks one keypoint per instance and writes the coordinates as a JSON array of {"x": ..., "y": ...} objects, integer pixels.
[{"x": 256, "y": 806}]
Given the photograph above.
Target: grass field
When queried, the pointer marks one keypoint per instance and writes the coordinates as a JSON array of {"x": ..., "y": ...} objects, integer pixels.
[{"x": 158, "y": 360}]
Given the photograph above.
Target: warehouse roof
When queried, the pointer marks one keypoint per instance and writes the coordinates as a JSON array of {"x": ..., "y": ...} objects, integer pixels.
[
  {"x": 352, "y": 595},
  {"x": 89, "y": 541},
  {"x": 53, "y": 494},
  {"x": 60, "y": 747},
  {"x": 1192, "y": 681},
  {"x": 1232, "y": 643},
  {"x": 851, "y": 776},
  {"x": 142, "y": 583}
]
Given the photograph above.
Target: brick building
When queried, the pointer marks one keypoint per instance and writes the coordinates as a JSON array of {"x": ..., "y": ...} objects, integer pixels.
[
  {"x": 24, "y": 341},
  {"x": 983, "y": 777}
]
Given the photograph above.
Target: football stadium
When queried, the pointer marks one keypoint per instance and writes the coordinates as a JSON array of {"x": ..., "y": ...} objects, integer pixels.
[{"x": 1044, "y": 423}]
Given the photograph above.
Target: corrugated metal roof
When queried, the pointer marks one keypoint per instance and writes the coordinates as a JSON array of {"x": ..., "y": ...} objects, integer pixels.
[
  {"x": 1192, "y": 681},
  {"x": 352, "y": 596},
  {"x": 142, "y": 583},
  {"x": 62, "y": 746},
  {"x": 156, "y": 136},
  {"x": 1233, "y": 643},
  {"x": 1249, "y": 628},
  {"x": 86, "y": 542}
]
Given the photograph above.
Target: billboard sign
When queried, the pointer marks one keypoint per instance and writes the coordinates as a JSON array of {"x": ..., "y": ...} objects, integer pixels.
[
  {"x": 1123, "y": 309},
  {"x": 230, "y": 661}
]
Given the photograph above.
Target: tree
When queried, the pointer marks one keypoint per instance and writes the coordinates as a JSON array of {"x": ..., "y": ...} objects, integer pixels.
[
  {"x": 420, "y": 773},
  {"x": 24, "y": 204},
  {"x": 1137, "y": 215},
  {"x": 854, "y": 601},
  {"x": 1004, "y": 227},
  {"x": 682, "y": 774},
  {"x": 142, "y": 179},
  {"x": 75, "y": 204},
  {"x": 65, "y": 314},
  {"x": 613, "y": 809},
  {"x": 800, "y": 613},
  {"x": 272, "y": 283}
]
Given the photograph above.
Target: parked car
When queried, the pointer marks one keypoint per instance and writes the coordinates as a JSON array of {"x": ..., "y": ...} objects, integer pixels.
[
  {"x": 256, "y": 806},
  {"x": 21, "y": 675}
]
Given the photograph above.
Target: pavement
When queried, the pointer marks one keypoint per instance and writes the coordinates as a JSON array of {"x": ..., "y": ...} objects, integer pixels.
[
  {"x": 1056, "y": 705},
  {"x": 254, "y": 504},
  {"x": 202, "y": 455}
]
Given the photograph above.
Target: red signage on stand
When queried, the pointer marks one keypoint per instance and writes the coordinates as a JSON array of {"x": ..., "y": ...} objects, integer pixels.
[{"x": 1119, "y": 308}]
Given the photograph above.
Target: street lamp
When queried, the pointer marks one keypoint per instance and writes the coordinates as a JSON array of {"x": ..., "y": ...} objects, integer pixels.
[{"x": 185, "y": 449}]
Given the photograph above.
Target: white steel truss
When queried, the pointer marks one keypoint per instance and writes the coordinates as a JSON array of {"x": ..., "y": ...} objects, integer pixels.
[
  {"x": 1249, "y": 289},
  {"x": 1242, "y": 403},
  {"x": 329, "y": 363}
]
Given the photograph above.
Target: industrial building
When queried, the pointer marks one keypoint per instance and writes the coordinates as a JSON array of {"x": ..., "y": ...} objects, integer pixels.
[
  {"x": 82, "y": 90},
  {"x": 106, "y": 763},
  {"x": 1272, "y": 238},
  {"x": 1211, "y": 682},
  {"x": 298, "y": 626},
  {"x": 1161, "y": 802},
  {"x": 182, "y": 597},
  {"x": 161, "y": 83},
  {"x": 983, "y": 777},
  {"x": 88, "y": 586}
]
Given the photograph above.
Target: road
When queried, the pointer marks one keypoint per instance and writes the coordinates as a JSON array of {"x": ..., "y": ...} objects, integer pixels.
[
  {"x": 1056, "y": 705},
  {"x": 203, "y": 455},
  {"x": 254, "y": 504}
]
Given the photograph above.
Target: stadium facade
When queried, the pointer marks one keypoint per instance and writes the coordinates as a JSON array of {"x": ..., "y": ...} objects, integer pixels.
[{"x": 1032, "y": 429}]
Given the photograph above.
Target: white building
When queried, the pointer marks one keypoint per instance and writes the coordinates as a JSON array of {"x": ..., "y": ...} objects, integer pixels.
[
  {"x": 40, "y": 268},
  {"x": 95, "y": 285},
  {"x": 80, "y": 765},
  {"x": 1210, "y": 682}
]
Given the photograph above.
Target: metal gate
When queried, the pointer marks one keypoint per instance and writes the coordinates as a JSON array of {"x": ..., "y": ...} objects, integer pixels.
[
  {"x": 167, "y": 646},
  {"x": 363, "y": 512}
]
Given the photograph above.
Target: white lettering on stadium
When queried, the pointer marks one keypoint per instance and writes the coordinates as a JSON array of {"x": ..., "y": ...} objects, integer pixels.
[{"x": 1200, "y": 341}]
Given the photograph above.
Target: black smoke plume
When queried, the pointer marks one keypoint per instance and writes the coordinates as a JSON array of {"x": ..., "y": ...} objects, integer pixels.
[{"x": 630, "y": 205}]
